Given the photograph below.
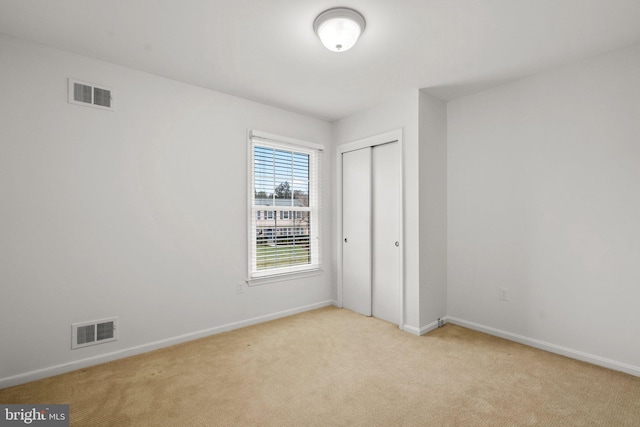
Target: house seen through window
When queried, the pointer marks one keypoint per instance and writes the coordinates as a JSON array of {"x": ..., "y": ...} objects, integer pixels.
[{"x": 285, "y": 225}]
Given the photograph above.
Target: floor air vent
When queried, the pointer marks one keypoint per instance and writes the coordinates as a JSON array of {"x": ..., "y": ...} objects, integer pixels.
[
  {"x": 91, "y": 95},
  {"x": 95, "y": 332}
]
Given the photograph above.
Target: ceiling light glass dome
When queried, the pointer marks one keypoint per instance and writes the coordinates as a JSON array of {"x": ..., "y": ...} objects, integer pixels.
[{"x": 339, "y": 28}]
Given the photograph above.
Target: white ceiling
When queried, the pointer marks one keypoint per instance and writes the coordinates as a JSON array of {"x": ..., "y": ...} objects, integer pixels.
[{"x": 266, "y": 50}]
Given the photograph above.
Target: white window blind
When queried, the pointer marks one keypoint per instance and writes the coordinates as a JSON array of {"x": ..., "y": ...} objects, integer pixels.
[{"x": 284, "y": 206}]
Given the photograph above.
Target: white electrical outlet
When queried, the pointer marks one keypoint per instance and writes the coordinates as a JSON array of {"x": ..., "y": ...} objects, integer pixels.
[
  {"x": 503, "y": 294},
  {"x": 240, "y": 288}
]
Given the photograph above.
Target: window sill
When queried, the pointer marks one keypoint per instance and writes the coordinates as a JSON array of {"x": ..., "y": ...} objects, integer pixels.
[{"x": 284, "y": 277}]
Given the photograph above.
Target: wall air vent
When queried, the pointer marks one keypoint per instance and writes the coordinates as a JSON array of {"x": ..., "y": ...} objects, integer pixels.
[
  {"x": 91, "y": 95},
  {"x": 95, "y": 332}
]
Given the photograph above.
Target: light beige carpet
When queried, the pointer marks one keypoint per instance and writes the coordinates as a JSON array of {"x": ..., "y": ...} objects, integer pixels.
[{"x": 332, "y": 367}]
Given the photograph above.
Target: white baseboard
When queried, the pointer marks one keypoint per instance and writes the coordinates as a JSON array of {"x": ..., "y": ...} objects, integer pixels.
[
  {"x": 411, "y": 330},
  {"x": 423, "y": 330},
  {"x": 132, "y": 351},
  {"x": 564, "y": 351}
]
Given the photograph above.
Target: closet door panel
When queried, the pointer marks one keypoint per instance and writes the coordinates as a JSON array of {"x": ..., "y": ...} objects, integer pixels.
[
  {"x": 356, "y": 231},
  {"x": 385, "y": 265}
]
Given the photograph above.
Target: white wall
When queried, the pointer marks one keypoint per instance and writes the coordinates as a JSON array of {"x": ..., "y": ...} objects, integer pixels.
[
  {"x": 398, "y": 113},
  {"x": 138, "y": 213},
  {"x": 433, "y": 210},
  {"x": 544, "y": 199}
]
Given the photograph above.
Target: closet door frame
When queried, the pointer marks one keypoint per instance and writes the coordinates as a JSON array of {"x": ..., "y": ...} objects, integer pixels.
[{"x": 394, "y": 136}]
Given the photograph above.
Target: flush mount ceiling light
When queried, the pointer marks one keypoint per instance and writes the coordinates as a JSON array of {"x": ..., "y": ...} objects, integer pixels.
[{"x": 339, "y": 28}]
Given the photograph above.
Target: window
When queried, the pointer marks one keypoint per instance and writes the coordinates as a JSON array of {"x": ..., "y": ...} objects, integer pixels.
[
  {"x": 284, "y": 183},
  {"x": 285, "y": 214}
]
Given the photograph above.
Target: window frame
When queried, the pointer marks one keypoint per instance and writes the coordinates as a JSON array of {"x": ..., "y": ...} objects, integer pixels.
[{"x": 314, "y": 151}]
